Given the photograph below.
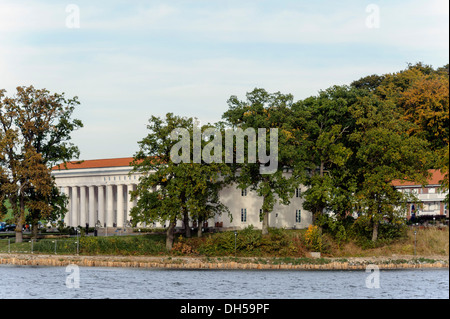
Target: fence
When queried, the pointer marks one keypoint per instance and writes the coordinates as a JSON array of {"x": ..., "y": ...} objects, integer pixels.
[{"x": 48, "y": 246}]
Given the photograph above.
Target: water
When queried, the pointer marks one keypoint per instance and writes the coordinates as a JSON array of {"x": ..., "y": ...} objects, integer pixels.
[{"x": 28, "y": 282}]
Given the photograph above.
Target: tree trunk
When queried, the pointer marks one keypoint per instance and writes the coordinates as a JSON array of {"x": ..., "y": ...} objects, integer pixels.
[
  {"x": 199, "y": 230},
  {"x": 375, "y": 231},
  {"x": 34, "y": 229},
  {"x": 265, "y": 225},
  {"x": 19, "y": 220},
  {"x": 186, "y": 225},
  {"x": 170, "y": 235},
  {"x": 19, "y": 234}
]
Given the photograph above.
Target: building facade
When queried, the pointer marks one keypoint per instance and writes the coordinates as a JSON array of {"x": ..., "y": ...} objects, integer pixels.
[
  {"x": 431, "y": 199},
  {"x": 99, "y": 195}
]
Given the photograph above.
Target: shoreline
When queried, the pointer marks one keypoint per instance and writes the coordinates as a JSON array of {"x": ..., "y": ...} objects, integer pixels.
[{"x": 227, "y": 263}]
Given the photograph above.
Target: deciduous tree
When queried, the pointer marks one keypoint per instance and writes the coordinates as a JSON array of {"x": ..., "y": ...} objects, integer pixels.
[{"x": 34, "y": 135}]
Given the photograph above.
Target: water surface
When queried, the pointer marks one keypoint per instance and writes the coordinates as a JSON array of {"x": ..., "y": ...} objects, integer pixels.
[{"x": 29, "y": 282}]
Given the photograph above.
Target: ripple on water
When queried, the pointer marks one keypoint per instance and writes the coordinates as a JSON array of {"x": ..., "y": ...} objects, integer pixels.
[{"x": 49, "y": 282}]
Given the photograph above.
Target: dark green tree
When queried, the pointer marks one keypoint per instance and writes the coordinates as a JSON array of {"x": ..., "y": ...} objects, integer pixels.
[
  {"x": 177, "y": 183},
  {"x": 260, "y": 112}
]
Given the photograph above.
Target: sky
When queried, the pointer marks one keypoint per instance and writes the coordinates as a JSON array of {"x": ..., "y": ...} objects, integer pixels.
[{"x": 129, "y": 60}]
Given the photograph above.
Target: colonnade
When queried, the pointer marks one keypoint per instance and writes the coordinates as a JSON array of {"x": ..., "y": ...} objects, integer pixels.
[{"x": 108, "y": 205}]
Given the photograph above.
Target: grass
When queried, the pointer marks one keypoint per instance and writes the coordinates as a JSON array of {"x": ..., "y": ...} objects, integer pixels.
[
  {"x": 427, "y": 242},
  {"x": 281, "y": 246},
  {"x": 63, "y": 246}
]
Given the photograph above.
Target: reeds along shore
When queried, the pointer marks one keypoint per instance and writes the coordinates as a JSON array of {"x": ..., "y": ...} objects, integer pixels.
[{"x": 61, "y": 261}]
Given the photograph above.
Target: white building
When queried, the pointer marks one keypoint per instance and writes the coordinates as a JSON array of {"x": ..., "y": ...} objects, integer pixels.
[
  {"x": 430, "y": 198},
  {"x": 98, "y": 192}
]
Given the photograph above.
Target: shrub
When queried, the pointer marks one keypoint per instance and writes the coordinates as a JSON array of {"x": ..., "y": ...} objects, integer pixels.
[
  {"x": 123, "y": 245},
  {"x": 313, "y": 238},
  {"x": 181, "y": 247},
  {"x": 249, "y": 239},
  {"x": 336, "y": 228}
]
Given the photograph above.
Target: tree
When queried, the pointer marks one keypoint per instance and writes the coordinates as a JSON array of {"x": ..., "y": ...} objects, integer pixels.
[
  {"x": 35, "y": 135},
  {"x": 261, "y": 112},
  {"x": 384, "y": 152},
  {"x": 330, "y": 123},
  {"x": 370, "y": 83},
  {"x": 421, "y": 94},
  {"x": 169, "y": 189}
]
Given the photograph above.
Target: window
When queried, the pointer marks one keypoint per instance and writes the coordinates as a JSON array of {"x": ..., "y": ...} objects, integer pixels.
[
  {"x": 298, "y": 216},
  {"x": 432, "y": 190},
  {"x": 244, "y": 192},
  {"x": 298, "y": 192},
  {"x": 243, "y": 215}
]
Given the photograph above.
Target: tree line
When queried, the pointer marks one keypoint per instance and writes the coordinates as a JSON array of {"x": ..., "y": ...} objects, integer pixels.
[{"x": 346, "y": 144}]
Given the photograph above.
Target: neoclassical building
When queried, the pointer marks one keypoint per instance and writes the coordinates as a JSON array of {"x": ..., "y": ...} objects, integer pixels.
[
  {"x": 98, "y": 192},
  {"x": 99, "y": 195}
]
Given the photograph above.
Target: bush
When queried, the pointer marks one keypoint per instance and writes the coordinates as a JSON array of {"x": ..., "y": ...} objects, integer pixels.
[
  {"x": 248, "y": 239},
  {"x": 181, "y": 247},
  {"x": 313, "y": 238},
  {"x": 336, "y": 228},
  {"x": 388, "y": 230},
  {"x": 277, "y": 242},
  {"x": 123, "y": 245}
]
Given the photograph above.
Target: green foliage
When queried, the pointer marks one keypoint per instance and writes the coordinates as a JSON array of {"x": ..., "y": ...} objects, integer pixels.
[
  {"x": 360, "y": 230},
  {"x": 172, "y": 190},
  {"x": 268, "y": 110},
  {"x": 250, "y": 242},
  {"x": 120, "y": 245}
]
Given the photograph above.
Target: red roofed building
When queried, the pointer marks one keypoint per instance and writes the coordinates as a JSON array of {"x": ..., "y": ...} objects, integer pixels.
[
  {"x": 98, "y": 191},
  {"x": 96, "y": 163},
  {"x": 431, "y": 197}
]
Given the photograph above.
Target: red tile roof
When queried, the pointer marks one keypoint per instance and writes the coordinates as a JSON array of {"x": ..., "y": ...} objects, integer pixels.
[
  {"x": 97, "y": 163},
  {"x": 435, "y": 179}
]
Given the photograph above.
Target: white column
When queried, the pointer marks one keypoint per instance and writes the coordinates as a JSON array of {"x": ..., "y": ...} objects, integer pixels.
[
  {"x": 120, "y": 206},
  {"x": 74, "y": 213},
  {"x": 109, "y": 217},
  {"x": 92, "y": 220},
  {"x": 67, "y": 216},
  {"x": 101, "y": 204},
  {"x": 130, "y": 203},
  {"x": 83, "y": 206}
]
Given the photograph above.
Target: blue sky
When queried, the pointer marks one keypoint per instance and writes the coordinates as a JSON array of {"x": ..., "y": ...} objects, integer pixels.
[{"x": 129, "y": 60}]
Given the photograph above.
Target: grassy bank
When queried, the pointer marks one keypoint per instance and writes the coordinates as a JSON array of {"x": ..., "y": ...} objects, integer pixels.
[{"x": 248, "y": 243}]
